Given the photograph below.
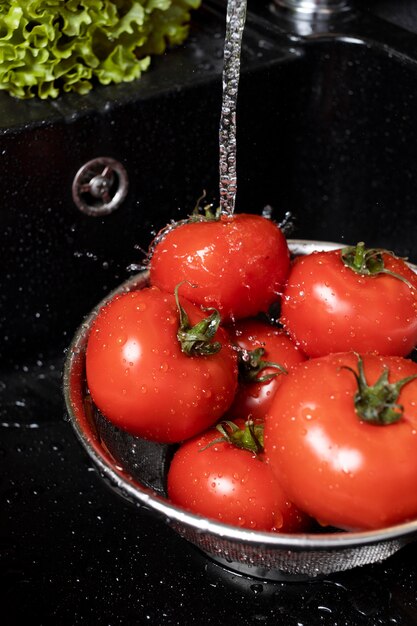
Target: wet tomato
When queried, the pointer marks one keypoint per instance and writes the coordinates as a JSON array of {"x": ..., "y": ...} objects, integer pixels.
[
  {"x": 238, "y": 264},
  {"x": 223, "y": 482},
  {"x": 140, "y": 377},
  {"x": 342, "y": 435},
  {"x": 333, "y": 303},
  {"x": 266, "y": 355}
]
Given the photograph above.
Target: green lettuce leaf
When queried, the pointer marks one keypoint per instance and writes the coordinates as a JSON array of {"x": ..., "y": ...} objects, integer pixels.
[{"x": 48, "y": 47}]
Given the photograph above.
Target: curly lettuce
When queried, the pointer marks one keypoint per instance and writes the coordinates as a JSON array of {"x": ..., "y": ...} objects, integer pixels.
[{"x": 52, "y": 46}]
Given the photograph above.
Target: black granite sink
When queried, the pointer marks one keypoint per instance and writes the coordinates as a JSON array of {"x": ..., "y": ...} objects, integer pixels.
[{"x": 327, "y": 130}]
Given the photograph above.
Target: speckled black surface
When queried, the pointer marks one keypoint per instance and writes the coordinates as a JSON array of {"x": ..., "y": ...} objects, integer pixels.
[
  {"x": 328, "y": 131},
  {"x": 74, "y": 553}
]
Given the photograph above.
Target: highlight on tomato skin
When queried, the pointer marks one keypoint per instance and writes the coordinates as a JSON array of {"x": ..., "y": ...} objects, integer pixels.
[
  {"x": 267, "y": 354},
  {"x": 218, "y": 480},
  {"x": 328, "y": 307},
  {"x": 140, "y": 378},
  {"x": 342, "y": 435},
  {"x": 237, "y": 264}
]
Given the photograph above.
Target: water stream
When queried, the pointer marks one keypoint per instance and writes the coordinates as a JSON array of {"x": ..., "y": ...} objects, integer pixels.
[{"x": 235, "y": 22}]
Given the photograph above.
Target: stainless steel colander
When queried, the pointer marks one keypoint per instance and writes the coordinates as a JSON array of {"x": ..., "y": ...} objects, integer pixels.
[{"x": 137, "y": 469}]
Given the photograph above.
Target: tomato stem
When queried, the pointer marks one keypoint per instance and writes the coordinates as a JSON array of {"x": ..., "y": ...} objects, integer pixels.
[
  {"x": 208, "y": 214},
  {"x": 197, "y": 340},
  {"x": 359, "y": 256},
  {"x": 251, "y": 364},
  {"x": 378, "y": 404},
  {"x": 368, "y": 261},
  {"x": 250, "y": 438}
]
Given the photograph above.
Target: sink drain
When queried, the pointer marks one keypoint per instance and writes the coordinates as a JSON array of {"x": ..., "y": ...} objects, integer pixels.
[{"x": 100, "y": 186}]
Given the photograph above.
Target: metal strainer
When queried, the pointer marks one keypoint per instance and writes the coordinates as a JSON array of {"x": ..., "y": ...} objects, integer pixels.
[{"x": 137, "y": 469}]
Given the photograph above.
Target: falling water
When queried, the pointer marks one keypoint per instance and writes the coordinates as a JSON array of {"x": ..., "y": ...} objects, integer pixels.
[{"x": 235, "y": 22}]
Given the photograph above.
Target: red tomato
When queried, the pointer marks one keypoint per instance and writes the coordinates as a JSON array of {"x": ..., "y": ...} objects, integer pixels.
[
  {"x": 328, "y": 307},
  {"x": 141, "y": 380},
  {"x": 253, "y": 398},
  {"x": 339, "y": 468},
  {"x": 237, "y": 264},
  {"x": 230, "y": 485}
]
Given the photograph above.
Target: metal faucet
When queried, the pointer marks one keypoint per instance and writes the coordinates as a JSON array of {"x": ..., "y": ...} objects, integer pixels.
[{"x": 313, "y": 8}]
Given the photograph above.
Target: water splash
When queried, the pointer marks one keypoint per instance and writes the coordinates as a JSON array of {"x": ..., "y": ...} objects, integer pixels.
[{"x": 235, "y": 22}]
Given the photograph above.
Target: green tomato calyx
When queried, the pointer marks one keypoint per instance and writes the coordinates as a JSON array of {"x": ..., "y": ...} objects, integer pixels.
[
  {"x": 204, "y": 213},
  {"x": 250, "y": 438},
  {"x": 251, "y": 366},
  {"x": 378, "y": 404},
  {"x": 197, "y": 340},
  {"x": 368, "y": 261}
]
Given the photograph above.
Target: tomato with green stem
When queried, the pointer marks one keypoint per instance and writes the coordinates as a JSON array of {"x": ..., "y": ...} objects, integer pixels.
[
  {"x": 158, "y": 366},
  {"x": 237, "y": 264},
  {"x": 351, "y": 299},
  {"x": 222, "y": 475},
  {"x": 342, "y": 435},
  {"x": 266, "y": 353}
]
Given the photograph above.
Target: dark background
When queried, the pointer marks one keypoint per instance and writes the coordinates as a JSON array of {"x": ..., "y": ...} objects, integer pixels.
[{"x": 327, "y": 130}]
